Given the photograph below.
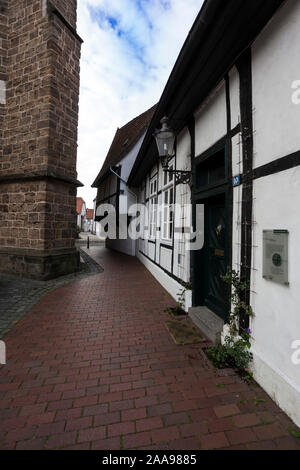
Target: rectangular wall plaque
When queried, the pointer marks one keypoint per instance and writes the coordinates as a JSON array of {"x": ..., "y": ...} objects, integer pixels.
[
  {"x": 236, "y": 180},
  {"x": 275, "y": 256}
]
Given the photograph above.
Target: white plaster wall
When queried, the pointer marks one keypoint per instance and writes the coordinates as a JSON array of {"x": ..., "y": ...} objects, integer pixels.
[
  {"x": 166, "y": 258},
  {"x": 151, "y": 251},
  {"x": 146, "y": 247},
  {"x": 126, "y": 246},
  {"x": 211, "y": 120},
  {"x": 140, "y": 246},
  {"x": 236, "y": 227},
  {"x": 277, "y": 321},
  {"x": 129, "y": 159},
  {"x": 237, "y": 169},
  {"x": 237, "y": 155},
  {"x": 275, "y": 66},
  {"x": 183, "y": 150},
  {"x": 234, "y": 88}
]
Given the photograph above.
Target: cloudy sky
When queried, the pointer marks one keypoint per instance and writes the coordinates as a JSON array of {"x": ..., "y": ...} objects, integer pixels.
[{"x": 130, "y": 47}]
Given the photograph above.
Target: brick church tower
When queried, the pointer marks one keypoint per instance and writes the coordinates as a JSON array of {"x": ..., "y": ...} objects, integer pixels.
[{"x": 39, "y": 91}]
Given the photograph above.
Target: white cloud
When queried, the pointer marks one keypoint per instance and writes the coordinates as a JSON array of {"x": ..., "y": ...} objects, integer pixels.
[{"x": 129, "y": 49}]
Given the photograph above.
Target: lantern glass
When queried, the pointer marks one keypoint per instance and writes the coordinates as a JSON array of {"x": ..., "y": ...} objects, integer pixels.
[{"x": 165, "y": 139}]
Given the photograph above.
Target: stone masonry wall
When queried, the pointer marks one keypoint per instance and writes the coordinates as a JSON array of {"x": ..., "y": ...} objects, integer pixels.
[
  {"x": 64, "y": 50},
  {"x": 68, "y": 9},
  {"x": 3, "y": 63},
  {"x": 39, "y": 63},
  {"x": 37, "y": 215},
  {"x": 40, "y": 129}
]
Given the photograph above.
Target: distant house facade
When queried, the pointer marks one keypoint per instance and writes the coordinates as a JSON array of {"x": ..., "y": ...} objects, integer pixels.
[
  {"x": 111, "y": 182},
  {"x": 89, "y": 222},
  {"x": 81, "y": 213},
  {"x": 234, "y": 103}
]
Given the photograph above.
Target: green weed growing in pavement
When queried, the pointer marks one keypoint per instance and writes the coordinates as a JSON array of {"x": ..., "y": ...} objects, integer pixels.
[
  {"x": 235, "y": 352},
  {"x": 179, "y": 309},
  {"x": 220, "y": 386},
  {"x": 256, "y": 401},
  {"x": 243, "y": 402},
  {"x": 293, "y": 432}
]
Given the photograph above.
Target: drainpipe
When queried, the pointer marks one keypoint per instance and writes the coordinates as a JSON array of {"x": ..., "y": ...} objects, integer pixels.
[{"x": 125, "y": 182}]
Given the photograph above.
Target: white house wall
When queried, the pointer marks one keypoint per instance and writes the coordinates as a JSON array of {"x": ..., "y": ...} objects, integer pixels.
[
  {"x": 276, "y": 324},
  {"x": 211, "y": 120},
  {"x": 164, "y": 253},
  {"x": 237, "y": 155},
  {"x": 275, "y": 66},
  {"x": 129, "y": 159},
  {"x": 237, "y": 197},
  {"x": 234, "y": 90},
  {"x": 107, "y": 189},
  {"x": 236, "y": 227},
  {"x": 126, "y": 199}
]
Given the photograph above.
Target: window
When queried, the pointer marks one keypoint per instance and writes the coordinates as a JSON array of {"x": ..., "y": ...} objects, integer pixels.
[
  {"x": 183, "y": 224},
  {"x": 168, "y": 202},
  {"x": 153, "y": 207},
  {"x": 153, "y": 186},
  {"x": 212, "y": 170}
]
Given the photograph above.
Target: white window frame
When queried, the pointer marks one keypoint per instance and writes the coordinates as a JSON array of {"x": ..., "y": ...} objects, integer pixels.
[
  {"x": 143, "y": 202},
  {"x": 168, "y": 193},
  {"x": 153, "y": 208}
]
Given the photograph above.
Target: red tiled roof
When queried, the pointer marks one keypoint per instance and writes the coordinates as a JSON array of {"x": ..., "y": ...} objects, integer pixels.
[
  {"x": 79, "y": 204},
  {"x": 125, "y": 138},
  {"x": 90, "y": 213}
]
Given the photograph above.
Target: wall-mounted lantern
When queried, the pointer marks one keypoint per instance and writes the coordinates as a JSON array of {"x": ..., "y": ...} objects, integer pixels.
[{"x": 165, "y": 139}]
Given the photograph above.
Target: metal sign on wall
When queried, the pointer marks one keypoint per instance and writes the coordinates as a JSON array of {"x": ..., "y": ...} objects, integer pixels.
[{"x": 275, "y": 255}]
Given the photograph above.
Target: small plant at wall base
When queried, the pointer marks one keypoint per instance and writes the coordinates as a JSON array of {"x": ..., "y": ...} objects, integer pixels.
[
  {"x": 179, "y": 309},
  {"x": 235, "y": 352}
]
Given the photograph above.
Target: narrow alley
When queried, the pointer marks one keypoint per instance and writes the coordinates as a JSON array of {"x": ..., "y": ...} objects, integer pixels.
[{"x": 92, "y": 366}]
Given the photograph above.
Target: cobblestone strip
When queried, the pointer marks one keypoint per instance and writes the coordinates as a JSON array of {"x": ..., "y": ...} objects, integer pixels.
[
  {"x": 93, "y": 266},
  {"x": 17, "y": 295}
]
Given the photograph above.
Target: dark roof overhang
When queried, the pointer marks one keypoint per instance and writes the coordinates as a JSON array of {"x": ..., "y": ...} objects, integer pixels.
[
  {"x": 99, "y": 180},
  {"x": 123, "y": 142},
  {"x": 220, "y": 34}
]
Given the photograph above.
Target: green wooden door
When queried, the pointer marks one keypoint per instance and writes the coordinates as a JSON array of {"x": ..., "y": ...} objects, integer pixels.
[{"x": 215, "y": 256}]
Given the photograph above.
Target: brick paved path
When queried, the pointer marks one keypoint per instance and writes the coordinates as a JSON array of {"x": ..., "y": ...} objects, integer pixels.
[
  {"x": 17, "y": 295},
  {"x": 93, "y": 367}
]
